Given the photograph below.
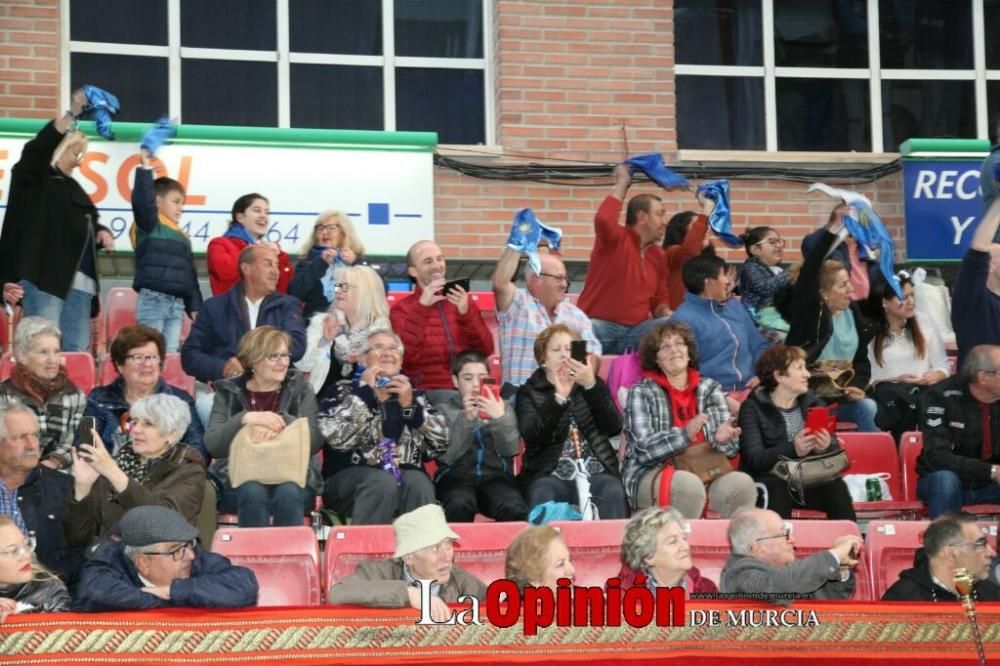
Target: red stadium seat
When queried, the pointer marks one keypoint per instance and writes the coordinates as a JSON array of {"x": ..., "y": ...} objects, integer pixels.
[
  {"x": 813, "y": 536},
  {"x": 495, "y": 367},
  {"x": 285, "y": 559},
  {"x": 484, "y": 300},
  {"x": 119, "y": 310},
  {"x": 480, "y": 551},
  {"x": 595, "y": 548},
  {"x": 394, "y": 297},
  {"x": 6, "y": 366},
  {"x": 909, "y": 450},
  {"x": 5, "y": 339},
  {"x": 874, "y": 453},
  {"x": 81, "y": 370},
  {"x": 709, "y": 546},
  {"x": 490, "y": 319}
]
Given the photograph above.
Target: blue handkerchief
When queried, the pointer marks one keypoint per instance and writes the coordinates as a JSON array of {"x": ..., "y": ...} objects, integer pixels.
[
  {"x": 526, "y": 233},
  {"x": 158, "y": 135},
  {"x": 869, "y": 230},
  {"x": 652, "y": 165},
  {"x": 720, "y": 220},
  {"x": 101, "y": 105}
]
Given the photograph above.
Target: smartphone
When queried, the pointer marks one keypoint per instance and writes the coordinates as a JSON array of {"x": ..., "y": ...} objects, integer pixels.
[
  {"x": 578, "y": 350},
  {"x": 85, "y": 431},
  {"x": 451, "y": 284},
  {"x": 488, "y": 385},
  {"x": 821, "y": 418}
]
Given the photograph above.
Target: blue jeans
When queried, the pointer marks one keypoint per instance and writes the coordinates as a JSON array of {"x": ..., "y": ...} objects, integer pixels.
[
  {"x": 162, "y": 312},
  {"x": 942, "y": 492},
  {"x": 618, "y": 338},
  {"x": 255, "y": 503},
  {"x": 71, "y": 315},
  {"x": 862, "y": 412}
]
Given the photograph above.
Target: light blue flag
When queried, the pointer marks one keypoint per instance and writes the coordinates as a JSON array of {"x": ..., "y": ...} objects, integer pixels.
[
  {"x": 652, "y": 165},
  {"x": 869, "y": 230},
  {"x": 101, "y": 105},
  {"x": 720, "y": 220},
  {"x": 526, "y": 233},
  {"x": 159, "y": 134}
]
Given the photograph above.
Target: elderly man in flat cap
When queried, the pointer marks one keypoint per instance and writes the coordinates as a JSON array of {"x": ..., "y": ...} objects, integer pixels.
[
  {"x": 424, "y": 551},
  {"x": 158, "y": 564}
]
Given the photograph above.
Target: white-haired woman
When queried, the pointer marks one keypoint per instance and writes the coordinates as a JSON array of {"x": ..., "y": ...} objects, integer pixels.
[
  {"x": 336, "y": 338},
  {"x": 332, "y": 244},
  {"x": 39, "y": 381},
  {"x": 154, "y": 468},
  {"x": 655, "y": 546},
  {"x": 22, "y": 579}
]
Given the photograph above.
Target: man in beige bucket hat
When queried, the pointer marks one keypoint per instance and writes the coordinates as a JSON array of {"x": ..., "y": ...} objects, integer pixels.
[{"x": 424, "y": 551}]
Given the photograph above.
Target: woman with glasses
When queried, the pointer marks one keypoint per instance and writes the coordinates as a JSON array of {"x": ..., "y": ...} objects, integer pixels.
[
  {"x": 22, "y": 579},
  {"x": 154, "y": 466},
  {"x": 655, "y": 545},
  {"x": 40, "y": 382},
  {"x": 760, "y": 279},
  {"x": 269, "y": 395},
  {"x": 332, "y": 244},
  {"x": 674, "y": 411},
  {"x": 138, "y": 354},
  {"x": 773, "y": 425},
  {"x": 335, "y": 339},
  {"x": 684, "y": 238}
]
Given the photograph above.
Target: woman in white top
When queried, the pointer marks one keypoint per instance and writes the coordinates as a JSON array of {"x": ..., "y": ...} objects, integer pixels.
[{"x": 336, "y": 338}]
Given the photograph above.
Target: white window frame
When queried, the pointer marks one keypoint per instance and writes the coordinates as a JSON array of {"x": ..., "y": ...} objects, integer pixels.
[
  {"x": 284, "y": 57},
  {"x": 874, "y": 73}
]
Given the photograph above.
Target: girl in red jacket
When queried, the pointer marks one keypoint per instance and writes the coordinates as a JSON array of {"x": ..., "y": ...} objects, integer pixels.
[{"x": 249, "y": 224}]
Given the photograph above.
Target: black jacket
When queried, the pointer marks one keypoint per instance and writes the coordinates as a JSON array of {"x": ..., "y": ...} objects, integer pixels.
[
  {"x": 47, "y": 595},
  {"x": 810, "y": 322},
  {"x": 43, "y": 498},
  {"x": 952, "y": 422},
  {"x": 48, "y": 230},
  {"x": 544, "y": 425},
  {"x": 916, "y": 584},
  {"x": 109, "y": 581},
  {"x": 764, "y": 436}
]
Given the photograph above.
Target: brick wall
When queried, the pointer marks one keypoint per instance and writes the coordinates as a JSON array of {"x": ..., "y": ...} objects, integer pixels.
[
  {"x": 29, "y": 58},
  {"x": 569, "y": 76}
]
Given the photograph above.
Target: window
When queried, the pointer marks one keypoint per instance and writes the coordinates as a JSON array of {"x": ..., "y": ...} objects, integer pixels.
[
  {"x": 833, "y": 75},
  {"x": 414, "y": 65}
]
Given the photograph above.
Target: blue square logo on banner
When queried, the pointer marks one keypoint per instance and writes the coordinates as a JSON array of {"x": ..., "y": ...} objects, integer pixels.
[{"x": 378, "y": 213}]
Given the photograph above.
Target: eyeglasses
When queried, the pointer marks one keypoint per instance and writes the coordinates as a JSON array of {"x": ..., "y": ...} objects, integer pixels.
[
  {"x": 381, "y": 349},
  {"x": 978, "y": 544},
  {"x": 557, "y": 278},
  {"x": 783, "y": 534},
  {"x": 343, "y": 286},
  {"x": 143, "y": 358},
  {"x": 327, "y": 227},
  {"x": 177, "y": 554},
  {"x": 773, "y": 241},
  {"x": 18, "y": 551},
  {"x": 274, "y": 357},
  {"x": 667, "y": 346}
]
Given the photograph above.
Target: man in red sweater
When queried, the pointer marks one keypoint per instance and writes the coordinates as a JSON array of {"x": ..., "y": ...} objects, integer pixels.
[
  {"x": 626, "y": 282},
  {"x": 435, "y": 327}
]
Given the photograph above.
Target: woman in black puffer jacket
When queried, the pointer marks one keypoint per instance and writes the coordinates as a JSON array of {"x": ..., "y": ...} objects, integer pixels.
[{"x": 564, "y": 392}]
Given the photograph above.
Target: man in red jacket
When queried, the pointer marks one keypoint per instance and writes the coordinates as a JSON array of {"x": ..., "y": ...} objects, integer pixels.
[{"x": 435, "y": 327}]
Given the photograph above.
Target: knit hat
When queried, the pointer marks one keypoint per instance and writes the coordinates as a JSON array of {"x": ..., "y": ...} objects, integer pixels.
[
  {"x": 420, "y": 528},
  {"x": 146, "y": 525}
]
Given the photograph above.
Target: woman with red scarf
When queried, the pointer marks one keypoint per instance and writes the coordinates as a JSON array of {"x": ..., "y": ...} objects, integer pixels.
[
  {"x": 39, "y": 381},
  {"x": 674, "y": 410}
]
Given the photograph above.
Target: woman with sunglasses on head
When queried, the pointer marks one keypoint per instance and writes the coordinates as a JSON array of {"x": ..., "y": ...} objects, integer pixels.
[
  {"x": 760, "y": 279},
  {"x": 23, "y": 581},
  {"x": 335, "y": 340},
  {"x": 268, "y": 396},
  {"x": 333, "y": 243}
]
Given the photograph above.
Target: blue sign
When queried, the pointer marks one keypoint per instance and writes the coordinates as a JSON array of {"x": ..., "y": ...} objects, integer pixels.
[{"x": 942, "y": 207}]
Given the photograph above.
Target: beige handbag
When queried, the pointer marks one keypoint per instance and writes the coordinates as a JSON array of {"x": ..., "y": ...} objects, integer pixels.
[{"x": 280, "y": 460}]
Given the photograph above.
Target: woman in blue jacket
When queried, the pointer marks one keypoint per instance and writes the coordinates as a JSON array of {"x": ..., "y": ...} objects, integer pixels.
[{"x": 333, "y": 243}]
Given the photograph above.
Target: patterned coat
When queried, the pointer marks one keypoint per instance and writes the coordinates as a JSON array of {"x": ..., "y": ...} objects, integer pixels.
[{"x": 58, "y": 418}]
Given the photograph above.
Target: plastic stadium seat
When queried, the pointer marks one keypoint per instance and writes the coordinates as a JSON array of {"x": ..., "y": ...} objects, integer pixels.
[
  {"x": 495, "y": 367},
  {"x": 119, "y": 310},
  {"x": 480, "y": 551},
  {"x": 5, "y": 340},
  {"x": 484, "y": 300},
  {"x": 890, "y": 546},
  {"x": 394, "y": 297},
  {"x": 285, "y": 559},
  {"x": 909, "y": 450},
  {"x": 874, "y": 453},
  {"x": 490, "y": 319},
  {"x": 595, "y": 548},
  {"x": 813, "y": 536},
  {"x": 709, "y": 546}
]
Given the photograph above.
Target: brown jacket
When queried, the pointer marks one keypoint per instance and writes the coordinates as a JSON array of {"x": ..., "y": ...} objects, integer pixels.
[
  {"x": 380, "y": 584},
  {"x": 176, "y": 482}
]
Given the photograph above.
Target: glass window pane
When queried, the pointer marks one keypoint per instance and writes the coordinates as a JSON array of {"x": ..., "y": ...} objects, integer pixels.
[
  {"x": 229, "y": 24},
  {"x": 229, "y": 92},
  {"x": 446, "y": 101},
  {"x": 139, "y": 82},
  {"x": 335, "y": 26},
  {"x": 121, "y": 21},
  {"x": 720, "y": 112},
  {"x": 991, "y": 19},
  {"x": 718, "y": 32},
  {"x": 821, "y": 33},
  {"x": 440, "y": 29},
  {"x": 927, "y": 109},
  {"x": 993, "y": 108},
  {"x": 823, "y": 114},
  {"x": 926, "y": 34},
  {"x": 336, "y": 97}
]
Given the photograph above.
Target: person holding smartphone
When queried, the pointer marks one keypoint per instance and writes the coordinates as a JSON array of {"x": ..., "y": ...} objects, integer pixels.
[
  {"x": 475, "y": 474},
  {"x": 775, "y": 421}
]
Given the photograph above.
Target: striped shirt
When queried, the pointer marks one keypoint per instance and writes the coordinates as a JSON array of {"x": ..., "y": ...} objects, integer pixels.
[
  {"x": 521, "y": 323},
  {"x": 10, "y": 507}
]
